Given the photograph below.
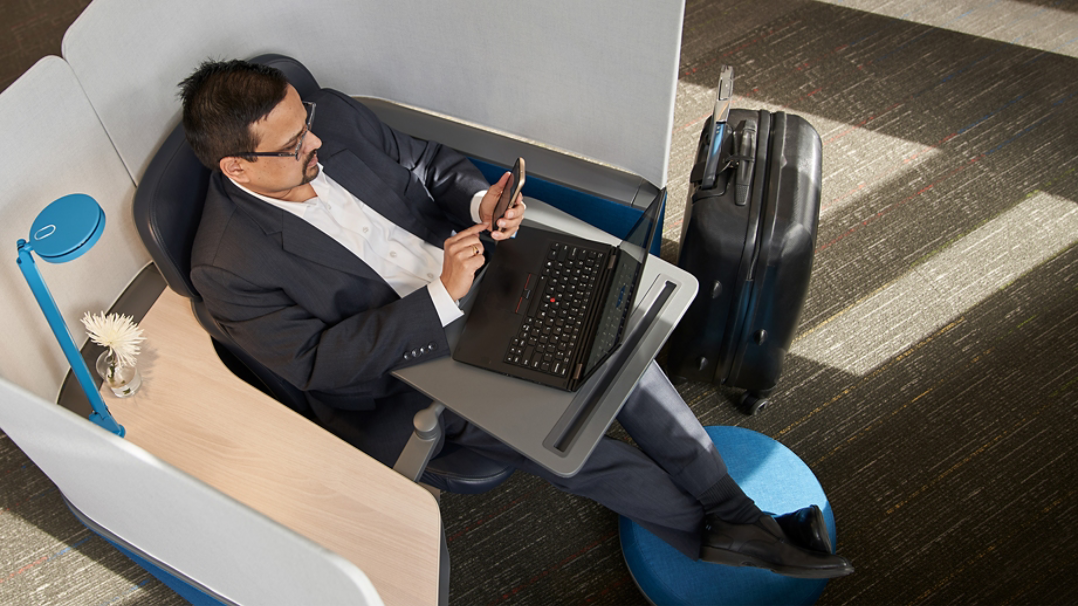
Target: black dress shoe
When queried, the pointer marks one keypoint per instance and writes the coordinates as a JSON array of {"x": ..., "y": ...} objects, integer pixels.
[
  {"x": 807, "y": 528},
  {"x": 764, "y": 545}
]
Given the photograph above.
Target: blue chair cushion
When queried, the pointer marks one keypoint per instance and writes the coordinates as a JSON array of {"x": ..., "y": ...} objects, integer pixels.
[{"x": 780, "y": 482}]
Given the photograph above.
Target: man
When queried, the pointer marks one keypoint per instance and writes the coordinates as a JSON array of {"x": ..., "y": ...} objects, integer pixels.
[{"x": 335, "y": 252}]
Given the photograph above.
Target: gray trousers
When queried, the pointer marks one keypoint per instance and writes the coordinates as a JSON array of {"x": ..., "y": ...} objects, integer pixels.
[{"x": 658, "y": 485}]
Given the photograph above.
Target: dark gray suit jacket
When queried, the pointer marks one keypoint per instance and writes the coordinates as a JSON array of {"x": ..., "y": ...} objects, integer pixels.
[{"x": 301, "y": 303}]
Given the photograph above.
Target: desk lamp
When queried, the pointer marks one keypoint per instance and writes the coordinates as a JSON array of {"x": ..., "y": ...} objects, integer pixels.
[{"x": 63, "y": 231}]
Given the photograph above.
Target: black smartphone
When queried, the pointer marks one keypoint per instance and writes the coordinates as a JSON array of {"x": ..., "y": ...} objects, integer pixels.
[{"x": 509, "y": 194}]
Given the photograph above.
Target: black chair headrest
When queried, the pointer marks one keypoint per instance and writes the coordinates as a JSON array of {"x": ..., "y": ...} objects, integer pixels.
[
  {"x": 168, "y": 201},
  {"x": 298, "y": 76}
]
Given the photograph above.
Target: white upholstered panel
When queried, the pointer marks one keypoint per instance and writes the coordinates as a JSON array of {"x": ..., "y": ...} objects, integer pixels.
[
  {"x": 54, "y": 145},
  {"x": 596, "y": 78},
  {"x": 168, "y": 515}
]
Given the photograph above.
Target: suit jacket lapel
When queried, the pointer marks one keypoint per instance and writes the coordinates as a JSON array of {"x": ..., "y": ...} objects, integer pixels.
[
  {"x": 350, "y": 171},
  {"x": 299, "y": 237}
]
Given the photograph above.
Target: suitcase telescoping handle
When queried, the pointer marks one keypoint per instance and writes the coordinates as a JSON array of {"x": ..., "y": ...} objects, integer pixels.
[
  {"x": 723, "y": 98},
  {"x": 742, "y": 155}
]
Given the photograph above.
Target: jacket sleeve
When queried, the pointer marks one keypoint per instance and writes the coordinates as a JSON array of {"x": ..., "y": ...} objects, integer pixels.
[{"x": 353, "y": 356}]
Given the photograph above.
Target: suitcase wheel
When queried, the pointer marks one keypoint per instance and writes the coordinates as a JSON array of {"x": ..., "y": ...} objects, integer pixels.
[{"x": 751, "y": 403}]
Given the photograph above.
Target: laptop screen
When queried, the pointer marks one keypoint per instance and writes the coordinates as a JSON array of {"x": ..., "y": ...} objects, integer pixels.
[{"x": 633, "y": 251}]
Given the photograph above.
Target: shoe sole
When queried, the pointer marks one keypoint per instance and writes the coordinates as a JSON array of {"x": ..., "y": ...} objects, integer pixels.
[{"x": 732, "y": 558}]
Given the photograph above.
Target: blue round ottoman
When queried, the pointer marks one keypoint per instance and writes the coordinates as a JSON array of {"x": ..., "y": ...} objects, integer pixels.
[{"x": 779, "y": 482}]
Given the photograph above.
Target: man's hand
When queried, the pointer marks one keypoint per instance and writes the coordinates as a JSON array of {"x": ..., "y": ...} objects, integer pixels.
[
  {"x": 508, "y": 224},
  {"x": 463, "y": 257}
]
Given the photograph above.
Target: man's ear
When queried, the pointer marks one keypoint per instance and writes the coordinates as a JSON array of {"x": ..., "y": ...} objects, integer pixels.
[{"x": 234, "y": 169}]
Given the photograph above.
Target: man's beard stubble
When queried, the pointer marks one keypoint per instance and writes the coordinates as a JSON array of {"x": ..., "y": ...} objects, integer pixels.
[{"x": 309, "y": 175}]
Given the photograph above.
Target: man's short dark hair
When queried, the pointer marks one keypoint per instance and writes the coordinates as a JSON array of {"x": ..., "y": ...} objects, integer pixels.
[{"x": 221, "y": 101}]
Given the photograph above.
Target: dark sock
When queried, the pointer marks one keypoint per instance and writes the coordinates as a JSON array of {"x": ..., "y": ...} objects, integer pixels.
[{"x": 729, "y": 503}]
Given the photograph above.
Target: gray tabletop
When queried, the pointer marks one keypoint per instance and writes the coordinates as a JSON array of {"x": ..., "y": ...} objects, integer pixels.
[{"x": 555, "y": 428}]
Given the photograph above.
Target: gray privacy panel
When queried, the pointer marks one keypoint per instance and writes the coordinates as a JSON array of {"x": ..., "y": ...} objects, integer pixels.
[
  {"x": 593, "y": 78},
  {"x": 174, "y": 519},
  {"x": 55, "y": 146}
]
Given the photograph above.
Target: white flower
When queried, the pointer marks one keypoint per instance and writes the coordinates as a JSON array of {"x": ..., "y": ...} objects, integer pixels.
[{"x": 118, "y": 333}]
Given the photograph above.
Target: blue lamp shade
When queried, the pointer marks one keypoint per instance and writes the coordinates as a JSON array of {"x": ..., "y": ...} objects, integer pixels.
[
  {"x": 67, "y": 228},
  {"x": 64, "y": 230}
]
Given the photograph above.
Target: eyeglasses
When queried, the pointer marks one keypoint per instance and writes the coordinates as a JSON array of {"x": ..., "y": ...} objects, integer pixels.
[{"x": 299, "y": 145}]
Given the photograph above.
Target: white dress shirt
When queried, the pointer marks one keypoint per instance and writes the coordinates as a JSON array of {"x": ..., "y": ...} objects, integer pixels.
[{"x": 401, "y": 258}]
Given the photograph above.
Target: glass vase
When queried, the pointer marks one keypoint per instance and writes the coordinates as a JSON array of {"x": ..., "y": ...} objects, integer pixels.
[{"x": 123, "y": 380}]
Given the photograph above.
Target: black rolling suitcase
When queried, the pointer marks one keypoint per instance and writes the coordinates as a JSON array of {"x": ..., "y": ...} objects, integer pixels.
[{"x": 748, "y": 236}]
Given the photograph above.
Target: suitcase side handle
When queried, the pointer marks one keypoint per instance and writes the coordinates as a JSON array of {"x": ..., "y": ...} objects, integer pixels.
[{"x": 745, "y": 158}]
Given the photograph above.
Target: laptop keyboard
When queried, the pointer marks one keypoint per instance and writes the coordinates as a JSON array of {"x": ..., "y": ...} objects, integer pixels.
[{"x": 550, "y": 332}]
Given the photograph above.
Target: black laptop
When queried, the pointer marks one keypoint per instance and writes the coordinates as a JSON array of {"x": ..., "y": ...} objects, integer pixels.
[{"x": 552, "y": 307}]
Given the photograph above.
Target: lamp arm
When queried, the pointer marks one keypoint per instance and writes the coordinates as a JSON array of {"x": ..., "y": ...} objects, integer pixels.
[{"x": 101, "y": 415}]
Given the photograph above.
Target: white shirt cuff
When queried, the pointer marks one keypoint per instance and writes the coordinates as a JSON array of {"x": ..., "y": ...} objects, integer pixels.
[
  {"x": 476, "y": 200},
  {"x": 443, "y": 303}
]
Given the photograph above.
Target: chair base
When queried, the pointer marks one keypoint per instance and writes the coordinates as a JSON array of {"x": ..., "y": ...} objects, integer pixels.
[
  {"x": 462, "y": 471},
  {"x": 779, "y": 482}
]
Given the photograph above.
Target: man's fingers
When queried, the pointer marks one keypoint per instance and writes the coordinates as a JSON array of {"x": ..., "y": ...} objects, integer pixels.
[
  {"x": 508, "y": 224},
  {"x": 471, "y": 232},
  {"x": 474, "y": 230},
  {"x": 465, "y": 244},
  {"x": 515, "y": 211},
  {"x": 463, "y": 256},
  {"x": 490, "y": 199},
  {"x": 468, "y": 250}
]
